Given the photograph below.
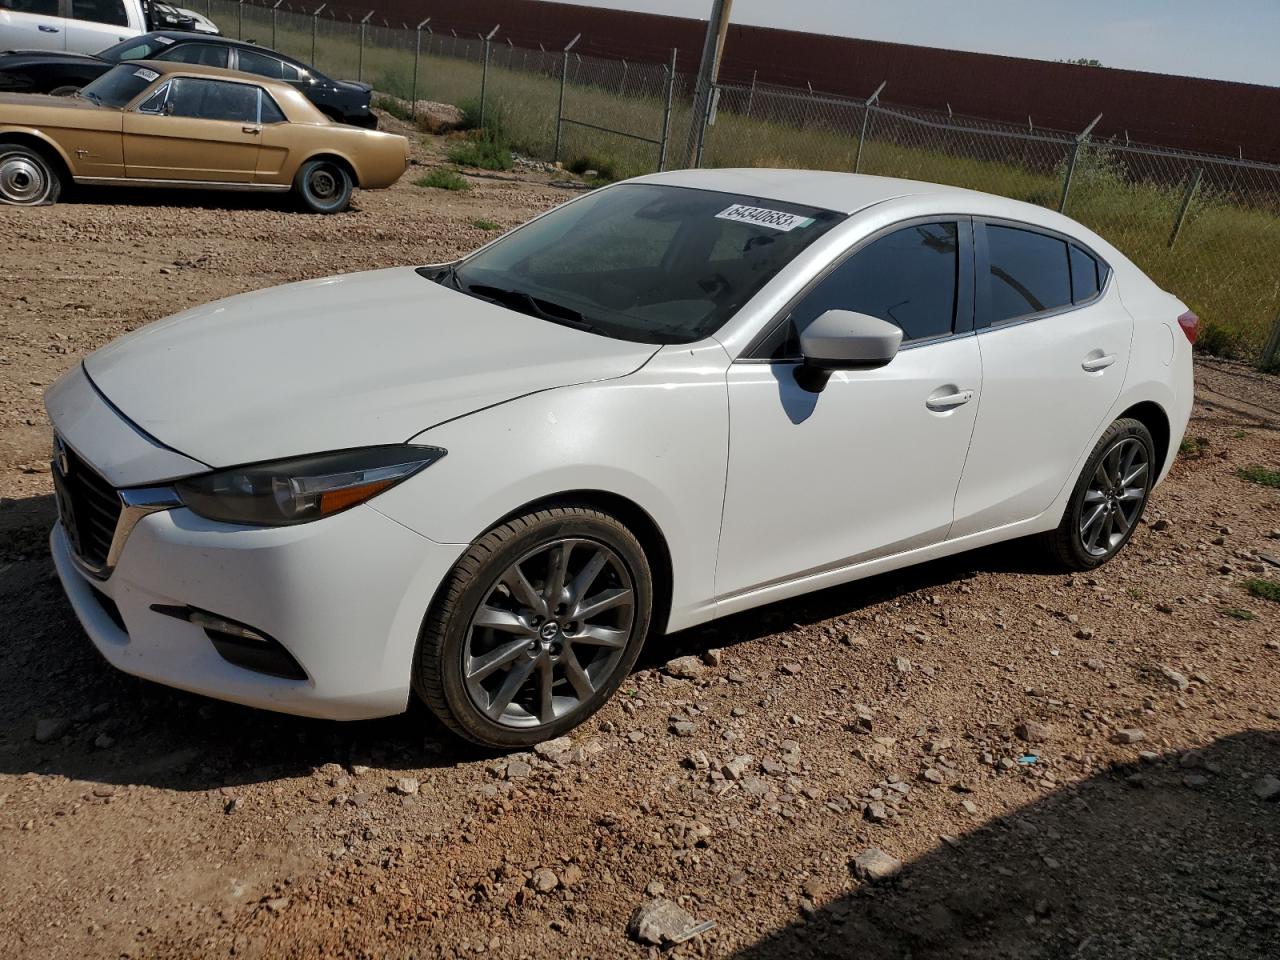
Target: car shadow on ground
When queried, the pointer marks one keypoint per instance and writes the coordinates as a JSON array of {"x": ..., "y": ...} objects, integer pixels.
[
  {"x": 216, "y": 200},
  {"x": 122, "y": 730},
  {"x": 1176, "y": 856}
]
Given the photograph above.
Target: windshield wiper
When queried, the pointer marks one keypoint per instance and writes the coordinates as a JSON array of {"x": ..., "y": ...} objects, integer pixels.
[{"x": 534, "y": 306}]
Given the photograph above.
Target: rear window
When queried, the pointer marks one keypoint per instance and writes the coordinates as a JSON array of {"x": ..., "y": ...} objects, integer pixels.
[{"x": 1029, "y": 273}]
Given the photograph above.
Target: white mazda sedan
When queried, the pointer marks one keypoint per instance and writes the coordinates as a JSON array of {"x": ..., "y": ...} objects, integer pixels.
[{"x": 488, "y": 482}]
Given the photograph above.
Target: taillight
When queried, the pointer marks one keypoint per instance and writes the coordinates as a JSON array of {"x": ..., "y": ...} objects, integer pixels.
[{"x": 1190, "y": 325}]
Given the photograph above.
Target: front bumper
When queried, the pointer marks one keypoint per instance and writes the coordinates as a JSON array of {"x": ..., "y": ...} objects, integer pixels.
[{"x": 345, "y": 596}]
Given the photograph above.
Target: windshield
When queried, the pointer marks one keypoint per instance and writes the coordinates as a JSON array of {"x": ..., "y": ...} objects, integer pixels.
[
  {"x": 135, "y": 48},
  {"x": 119, "y": 85},
  {"x": 644, "y": 262}
]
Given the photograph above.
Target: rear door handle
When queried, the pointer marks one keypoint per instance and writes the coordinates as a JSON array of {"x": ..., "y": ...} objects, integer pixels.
[
  {"x": 1098, "y": 363},
  {"x": 949, "y": 401},
  {"x": 45, "y": 28}
]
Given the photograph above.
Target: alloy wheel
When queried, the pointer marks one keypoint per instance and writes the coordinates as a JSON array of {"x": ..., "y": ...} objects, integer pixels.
[
  {"x": 23, "y": 179},
  {"x": 1115, "y": 497},
  {"x": 550, "y": 633}
]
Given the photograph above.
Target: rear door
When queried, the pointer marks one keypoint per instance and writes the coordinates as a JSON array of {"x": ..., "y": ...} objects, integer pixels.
[
  {"x": 94, "y": 25},
  {"x": 1055, "y": 343},
  {"x": 32, "y": 25},
  {"x": 195, "y": 128}
]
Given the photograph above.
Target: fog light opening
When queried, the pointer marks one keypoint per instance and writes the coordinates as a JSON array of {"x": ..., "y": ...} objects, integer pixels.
[{"x": 239, "y": 644}]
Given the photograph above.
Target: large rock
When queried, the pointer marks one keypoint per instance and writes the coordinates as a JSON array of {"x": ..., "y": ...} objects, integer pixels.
[
  {"x": 686, "y": 668},
  {"x": 439, "y": 117},
  {"x": 873, "y": 865},
  {"x": 51, "y": 728},
  {"x": 658, "y": 922}
]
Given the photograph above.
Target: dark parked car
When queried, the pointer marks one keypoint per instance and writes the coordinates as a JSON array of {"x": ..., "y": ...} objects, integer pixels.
[{"x": 52, "y": 71}]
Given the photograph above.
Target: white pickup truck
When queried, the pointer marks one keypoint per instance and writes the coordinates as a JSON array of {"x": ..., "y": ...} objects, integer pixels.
[{"x": 83, "y": 26}]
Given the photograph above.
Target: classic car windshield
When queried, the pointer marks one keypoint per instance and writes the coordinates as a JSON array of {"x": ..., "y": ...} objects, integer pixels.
[
  {"x": 645, "y": 262},
  {"x": 119, "y": 85}
]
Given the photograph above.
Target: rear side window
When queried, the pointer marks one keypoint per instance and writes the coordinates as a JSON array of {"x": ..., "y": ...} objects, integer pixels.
[
  {"x": 100, "y": 11},
  {"x": 1029, "y": 273},
  {"x": 270, "y": 112},
  {"x": 252, "y": 62},
  {"x": 42, "y": 8},
  {"x": 1086, "y": 276},
  {"x": 213, "y": 100},
  {"x": 205, "y": 54},
  {"x": 909, "y": 278}
]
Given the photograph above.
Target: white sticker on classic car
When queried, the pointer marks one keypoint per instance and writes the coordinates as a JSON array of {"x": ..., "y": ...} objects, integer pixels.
[
  {"x": 145, "y": 74},
  {"x": 762, "y": 217}
]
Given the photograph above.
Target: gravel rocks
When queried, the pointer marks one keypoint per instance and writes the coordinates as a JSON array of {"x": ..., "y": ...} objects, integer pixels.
[
  {"x": 1129, "y": 735},
  {"x": 1033, "y": 731},
  {"x": 686, "y": 668}
]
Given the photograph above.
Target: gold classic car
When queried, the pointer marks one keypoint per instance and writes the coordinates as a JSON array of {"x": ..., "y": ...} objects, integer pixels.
[{"x": 147, "y": 123}]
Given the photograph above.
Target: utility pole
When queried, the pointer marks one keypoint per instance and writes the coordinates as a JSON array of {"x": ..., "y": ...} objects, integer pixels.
[{"x": 708, "y": 75}]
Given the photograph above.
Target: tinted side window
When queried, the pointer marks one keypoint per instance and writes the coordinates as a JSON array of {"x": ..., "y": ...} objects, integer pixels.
[
  {"x": 1029, "y": 273},
  {"x": 1086, "y": 279},
  {"x": 271, "y": 113},
  {"x": 909, "y": 278},
  {"x": 43, "y": 8},
  {"x": 100, "y": 11},
  {"x": 206, "y": 54},
  {"x": 252, "y": 62},
  {"x": 214, "y": 100}
]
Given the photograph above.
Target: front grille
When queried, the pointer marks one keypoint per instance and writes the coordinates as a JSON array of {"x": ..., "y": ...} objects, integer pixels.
[{"x": 93, "y": 507}]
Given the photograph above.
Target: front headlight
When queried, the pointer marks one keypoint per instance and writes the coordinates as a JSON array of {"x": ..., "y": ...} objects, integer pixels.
[{"x": 303, "y": 488}]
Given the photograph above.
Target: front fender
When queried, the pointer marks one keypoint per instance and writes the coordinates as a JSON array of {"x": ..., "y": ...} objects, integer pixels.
[
  {"x": 658, "y": 438},
  {"x": 9, "y": 130}
]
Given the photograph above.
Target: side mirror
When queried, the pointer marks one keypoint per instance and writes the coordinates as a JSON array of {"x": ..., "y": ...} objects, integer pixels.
[{"x": 844, "y": 340}]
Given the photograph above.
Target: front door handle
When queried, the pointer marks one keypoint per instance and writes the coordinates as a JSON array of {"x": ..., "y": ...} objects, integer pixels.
[
  {"x": 45, "y": 28},
  {"x": 1098, "y": 363},
  {"x": 248, "y": 128},
  {"x": 949, "y": 401}
]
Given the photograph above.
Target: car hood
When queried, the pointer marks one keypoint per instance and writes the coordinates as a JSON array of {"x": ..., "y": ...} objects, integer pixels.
[
  {"x": 353, "y": 86},
  {"x": 46, "y": 100},
  {"x": 20, "y": 58},
  {"x": 349, "y": 361}
]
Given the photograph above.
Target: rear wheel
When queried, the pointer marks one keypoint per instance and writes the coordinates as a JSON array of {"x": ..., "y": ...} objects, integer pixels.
[
  {"x": 27, "y": 178},
  {"x": 539, "y": 623},
  {"x": 1108, "y": 499},
  {"x": 324, "y": 186}
]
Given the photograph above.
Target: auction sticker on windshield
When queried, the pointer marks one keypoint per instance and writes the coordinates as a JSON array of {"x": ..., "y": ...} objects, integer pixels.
[
  {"x": 762, "y": 217},
  {"x": 145, "y": 74}
]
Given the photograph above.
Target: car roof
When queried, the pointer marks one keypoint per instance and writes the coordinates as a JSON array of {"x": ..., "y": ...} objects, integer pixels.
[
  {"x": 824, "y": 189},
  {"x": 166, "y": 67},
  {"x": 177, "y": 35}
]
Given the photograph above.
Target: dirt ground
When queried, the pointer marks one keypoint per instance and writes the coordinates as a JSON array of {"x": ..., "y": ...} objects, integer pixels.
[{"x": 964, "y": 717}]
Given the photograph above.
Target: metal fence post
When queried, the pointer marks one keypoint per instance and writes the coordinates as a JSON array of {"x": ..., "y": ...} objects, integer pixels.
[
  {"x": 751, "y": 96},
  {"x": 712, "y": 103},
  {"x": 315, "y": 19},
  {"x": 1186, "y": 205},
  {"x": 1071, "y": 164},
  {"x": 360, "y": 62},
  {"x": 240, "y": 20},
  {"x": 866, "y": 124},
  {"x": 417, "y": 55},
  {"x": 666, "y": 112},
  {"x": 564, "y": 82},
  {"x": 273, "y": 23},
  {"x": 1271, "y": 351},
  {"x": 484, "y": 70}
]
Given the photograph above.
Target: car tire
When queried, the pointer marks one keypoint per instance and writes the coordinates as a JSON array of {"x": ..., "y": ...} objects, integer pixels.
[
  {"x": 27, "y": 177},
  {"x": 324, "y": 186},
  {"x": 1108, "y": 499},
  {"x": 569, "y": 594},
  {"x": 66, "y": 90}
]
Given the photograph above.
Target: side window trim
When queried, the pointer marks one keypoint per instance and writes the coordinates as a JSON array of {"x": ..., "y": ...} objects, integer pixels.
[
  {"x": 756, "y": 351},
  {"x": 982, "y": 267},
  {"x": 163, "y": 92}
]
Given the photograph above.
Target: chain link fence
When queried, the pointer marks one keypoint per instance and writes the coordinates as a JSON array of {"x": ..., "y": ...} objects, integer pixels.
[{"x": 1205, "y": 227}]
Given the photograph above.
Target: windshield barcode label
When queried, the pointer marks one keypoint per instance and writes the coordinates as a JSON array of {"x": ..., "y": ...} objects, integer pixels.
[
  {"x": 761, "y": 217},
  {"x": 145, "y": 74}
]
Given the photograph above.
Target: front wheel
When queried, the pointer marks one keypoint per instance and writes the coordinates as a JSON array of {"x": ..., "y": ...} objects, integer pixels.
[
  {"x": 27, "y": 178},
  {"x": 536, "y": 627},
  {"x": 1108, "y": 499},
  {"x": 323, "y": 186}
]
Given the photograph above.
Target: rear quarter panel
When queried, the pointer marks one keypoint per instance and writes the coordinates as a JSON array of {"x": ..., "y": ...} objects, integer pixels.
[{"x": 378, "y": 159}]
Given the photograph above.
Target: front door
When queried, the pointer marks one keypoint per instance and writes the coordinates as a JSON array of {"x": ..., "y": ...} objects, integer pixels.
[
  {"x": 868, "y": 467},
  {"x": 32, "y": 25},
  {"x": 195, "y": 129},
  {"x": 1055, "y": 344}
]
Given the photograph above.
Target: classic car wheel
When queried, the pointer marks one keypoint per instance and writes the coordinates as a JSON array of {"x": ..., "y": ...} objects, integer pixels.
[
  {"x": 26, "y": 177},
  {"x": 536, "y": 627},
  {"x": 324, "y": 186}
]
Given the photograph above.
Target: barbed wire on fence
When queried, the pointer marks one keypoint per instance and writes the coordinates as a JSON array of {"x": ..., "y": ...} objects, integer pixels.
[{"x": 1205, "y": 227}]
